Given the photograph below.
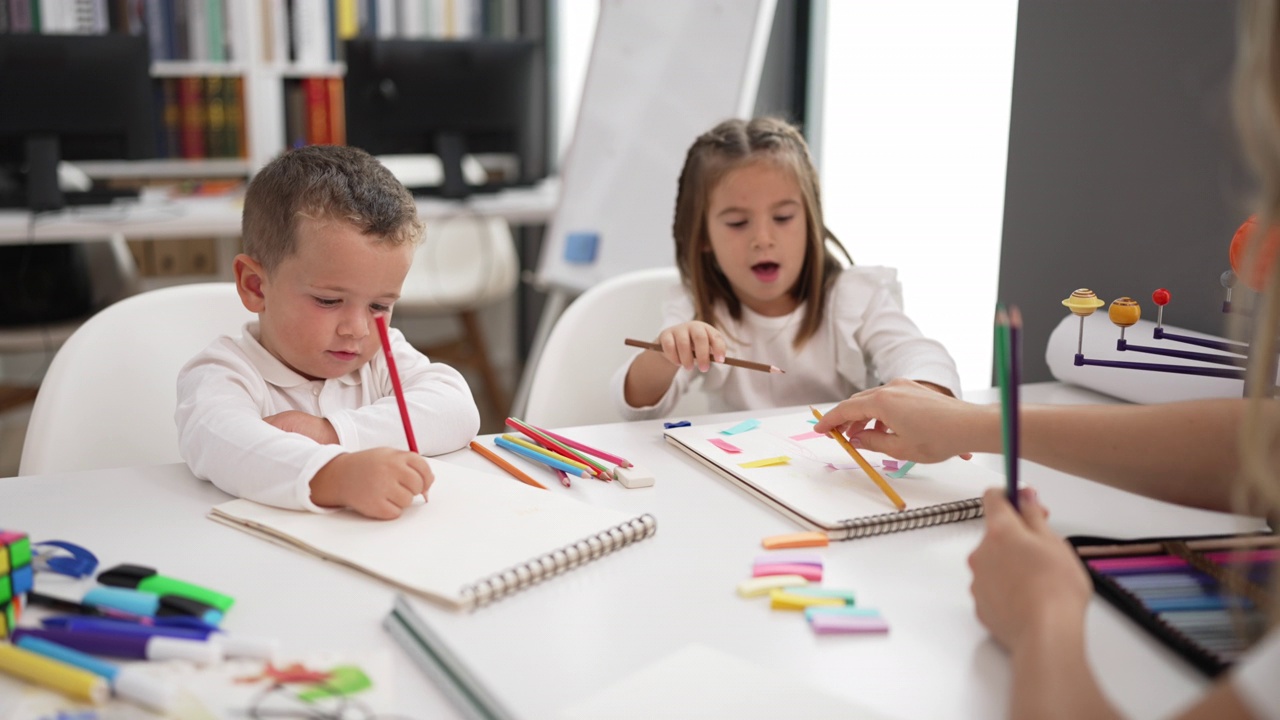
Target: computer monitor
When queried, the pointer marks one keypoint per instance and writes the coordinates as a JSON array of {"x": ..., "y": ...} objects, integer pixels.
[
  {"x": 70, "y": 97},
  {"x": 451, "y": 98}
]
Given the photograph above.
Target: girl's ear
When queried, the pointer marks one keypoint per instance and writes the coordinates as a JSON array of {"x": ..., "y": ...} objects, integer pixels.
[{"x": 250, "y": 278}]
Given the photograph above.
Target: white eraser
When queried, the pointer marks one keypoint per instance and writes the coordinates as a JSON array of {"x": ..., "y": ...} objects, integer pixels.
[{"x": 632, "y": 477}]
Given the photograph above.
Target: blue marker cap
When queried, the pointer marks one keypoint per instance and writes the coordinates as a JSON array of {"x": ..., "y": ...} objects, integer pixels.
[{"x": 678, "y": 423}]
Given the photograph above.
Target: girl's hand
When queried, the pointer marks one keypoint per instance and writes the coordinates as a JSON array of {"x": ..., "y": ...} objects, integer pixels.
[
  {"x": 913, "y": 422},
  {"x": 1026, "y": 579},
  {"x": 692, "y": 344}
]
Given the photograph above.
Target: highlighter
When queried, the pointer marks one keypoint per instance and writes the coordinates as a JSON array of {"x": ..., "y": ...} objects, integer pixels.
[
  {"x": 232, "y": 646},
  {"x": 140, "y": 577},
  {"x": 54, "y": 674},
  {"x": 134, "y": 647},
  {"x": 148, "y": 604},
  {"x": 126, "y": 682}
]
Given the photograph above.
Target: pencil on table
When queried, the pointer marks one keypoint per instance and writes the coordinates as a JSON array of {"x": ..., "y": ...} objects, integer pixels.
[
  {"x": 512, "y": 470},
  {"x": 735, "y": 362},
  {"x": 540, "y": 437},
  {"x": 538, "y": 457},
  {"x": 610, "y": 457},
  {"x": 880, "y": 482},
  {"x": 549, "y": 453}
]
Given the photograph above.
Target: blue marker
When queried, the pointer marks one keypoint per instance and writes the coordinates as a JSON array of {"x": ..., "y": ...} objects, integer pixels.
[
  {"x": 126, "y": 682},
  {"x": 232, "y": 646}
]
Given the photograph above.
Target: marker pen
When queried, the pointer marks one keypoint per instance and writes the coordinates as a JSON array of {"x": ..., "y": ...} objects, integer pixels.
[
  {"x": 67, "y": 605},
  {"x": 143, "y": 578},
  {"x": 128, "y": 682},
  {"x": 70, "y": 681},
  {"x": 138, "y": 647},
  {"x": 232, "y": 645},
  {"x": 138, "y": 602}
]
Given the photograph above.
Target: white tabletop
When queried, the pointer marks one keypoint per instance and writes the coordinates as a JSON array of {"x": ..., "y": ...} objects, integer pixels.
[{"x": 546, "y": 647}]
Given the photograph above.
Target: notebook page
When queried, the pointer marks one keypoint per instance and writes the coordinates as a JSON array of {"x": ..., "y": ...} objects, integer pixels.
[
  {"x": 819, "y": 481},
  {"x": 475, "y": 525}
]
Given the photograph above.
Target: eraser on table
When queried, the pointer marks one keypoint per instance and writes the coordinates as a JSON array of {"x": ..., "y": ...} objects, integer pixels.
[
  {"x": 764, "y": 585},
  {"x": 833, "y": 623},
  {"x": 782, "y": 599},
  {"x": 787, "y": 558},
  {"x": 813, "y": 573},
  {"x": 795, "y": 540},
  {"x": 632, "y": 477}
]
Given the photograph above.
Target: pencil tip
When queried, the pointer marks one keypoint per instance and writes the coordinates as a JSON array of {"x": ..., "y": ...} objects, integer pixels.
[{"x": 777, "y": 370}]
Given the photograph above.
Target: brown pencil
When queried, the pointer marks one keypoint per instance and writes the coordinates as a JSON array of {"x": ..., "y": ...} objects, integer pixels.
[{"x": 735, "y": 362}]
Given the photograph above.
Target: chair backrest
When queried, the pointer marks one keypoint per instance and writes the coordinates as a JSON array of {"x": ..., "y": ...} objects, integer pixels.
[
  {"x": 463, "y": 263},
  {"x": 571, "y": 383},
  {"x": 110, "y": 393}
]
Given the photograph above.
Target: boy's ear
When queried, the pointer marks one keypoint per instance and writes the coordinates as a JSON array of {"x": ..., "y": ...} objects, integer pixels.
[{"x": 250, "y": 278}]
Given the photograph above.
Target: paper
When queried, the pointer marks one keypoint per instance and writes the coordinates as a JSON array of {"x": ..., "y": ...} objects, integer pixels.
[
  {"x": 477, "y": 524},
  {"x": 698, "y": 682}
]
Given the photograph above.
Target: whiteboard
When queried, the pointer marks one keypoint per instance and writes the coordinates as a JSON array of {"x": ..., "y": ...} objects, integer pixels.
[{"x": 660, "y": 74}]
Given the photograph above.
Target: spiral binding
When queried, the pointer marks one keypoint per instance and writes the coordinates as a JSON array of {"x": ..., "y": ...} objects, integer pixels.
[
  {"x": 854, "y": 528},
  {"x": 557, "y": 561}
]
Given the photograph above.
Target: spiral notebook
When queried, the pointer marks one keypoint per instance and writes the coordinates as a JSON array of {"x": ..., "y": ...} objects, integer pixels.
[
  {"x": 481, "y": 536},
  {"x": 809, "y": 478}
]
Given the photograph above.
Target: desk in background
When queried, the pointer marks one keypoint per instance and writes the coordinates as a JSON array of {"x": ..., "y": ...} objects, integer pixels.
[{"x": 551, "y": 645}]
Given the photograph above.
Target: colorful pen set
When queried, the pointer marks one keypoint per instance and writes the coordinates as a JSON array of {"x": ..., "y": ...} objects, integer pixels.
[{"x": 564, "y": 456}]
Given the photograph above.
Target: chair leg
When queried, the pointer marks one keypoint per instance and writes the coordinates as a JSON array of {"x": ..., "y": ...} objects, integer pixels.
[
  {"x": 14, "y": 397},
  {"x": 492, "y": 386}
]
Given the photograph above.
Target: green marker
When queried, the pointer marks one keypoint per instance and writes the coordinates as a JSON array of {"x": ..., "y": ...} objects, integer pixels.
[{"x": 147, "y": 579}]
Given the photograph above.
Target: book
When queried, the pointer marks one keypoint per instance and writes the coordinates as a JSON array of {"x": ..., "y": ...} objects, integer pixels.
[
  {"x": 810, "y": 479},
  {"x": 1204, "y": 597},
  {"x": 481, "y": 537}
]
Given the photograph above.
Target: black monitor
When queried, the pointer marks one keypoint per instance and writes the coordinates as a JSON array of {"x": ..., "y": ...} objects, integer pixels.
[
  {"x": 450, "y": 98},
  {"x": 70, "y": 97}
]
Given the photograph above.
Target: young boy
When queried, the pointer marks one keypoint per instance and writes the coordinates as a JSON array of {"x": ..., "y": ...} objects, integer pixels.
[{"x": 299, "y": 411}]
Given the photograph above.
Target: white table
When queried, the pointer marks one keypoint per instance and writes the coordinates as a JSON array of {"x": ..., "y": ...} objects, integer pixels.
[{"x": 548, "y": 646}]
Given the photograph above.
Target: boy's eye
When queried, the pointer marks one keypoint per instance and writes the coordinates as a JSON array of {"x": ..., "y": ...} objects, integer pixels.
[
  {"x": 380, "y": 308},
  {"x": 327, "y": 302}
]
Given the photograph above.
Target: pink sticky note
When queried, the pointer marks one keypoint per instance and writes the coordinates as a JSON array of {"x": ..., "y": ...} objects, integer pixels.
[
  {"x": 844, "y": 624},
  {"x": 807, "y": 436},
  {"x": 889, "y": 464},
  {"x": 725, "y": 445},
  {"x": 812, "y": 573}
]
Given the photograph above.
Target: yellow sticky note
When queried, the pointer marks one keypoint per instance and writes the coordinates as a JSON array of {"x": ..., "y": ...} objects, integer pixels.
[
  {"x": 780, "y": 599},
  {"x": 780, "y": 460}
]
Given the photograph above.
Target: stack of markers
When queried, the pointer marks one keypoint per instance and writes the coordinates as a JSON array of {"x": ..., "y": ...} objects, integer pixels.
[
  {"x": 789, "y": 579},
  {"x": 137, "y": 615}
]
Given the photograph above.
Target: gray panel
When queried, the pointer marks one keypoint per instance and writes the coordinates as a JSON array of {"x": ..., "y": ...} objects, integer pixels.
[{"x": 1123, "y": 169}]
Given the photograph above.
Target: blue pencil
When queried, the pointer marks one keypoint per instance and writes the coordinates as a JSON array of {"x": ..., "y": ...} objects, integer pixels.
[{"x": 531, "y": 455}]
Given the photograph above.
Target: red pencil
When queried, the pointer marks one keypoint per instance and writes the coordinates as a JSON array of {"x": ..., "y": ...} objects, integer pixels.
[
  {"x": 395, "y": 381},
  {"x": 541, "y": 438}
]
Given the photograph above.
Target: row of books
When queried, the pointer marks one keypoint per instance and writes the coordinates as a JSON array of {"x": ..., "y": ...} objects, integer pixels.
[
  {"x": 201, "y": 117},
  {"x": 314, "y": 112},
  {"x": 194, "y": 30}
]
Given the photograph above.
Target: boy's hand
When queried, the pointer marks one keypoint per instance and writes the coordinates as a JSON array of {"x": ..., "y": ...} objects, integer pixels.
[
  {"x": 692, "y": 344},
  {"x": 378, "y": 483},
  {"x": 296, "y": 421}
]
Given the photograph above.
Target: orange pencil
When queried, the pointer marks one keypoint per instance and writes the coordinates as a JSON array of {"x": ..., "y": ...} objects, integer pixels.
[
  {"x": 880, "y": 482},
  {"x": 512, "y": 470}
]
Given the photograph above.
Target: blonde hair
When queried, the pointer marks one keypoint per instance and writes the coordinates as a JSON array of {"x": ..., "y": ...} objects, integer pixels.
[
  {"x": 1257, "y": 111},
  {"x": 324, "y": 182},
  {"x": 728, "y": 146}
]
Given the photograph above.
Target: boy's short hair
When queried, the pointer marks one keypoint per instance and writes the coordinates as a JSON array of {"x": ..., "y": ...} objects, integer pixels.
[{"x": 324, "y": 182}]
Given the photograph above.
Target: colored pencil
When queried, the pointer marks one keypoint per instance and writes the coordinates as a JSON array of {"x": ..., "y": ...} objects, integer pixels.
[
  {"x": 538, "y": 457},
  {"x": 621, "y": 462},
  {"x": 735, "y": 362},
  {"x": 1008, "y": 373},
  {"x": 381, "y": 321},
  {"x": 542, "y": 439},
  {"x": 549, "y": 453},
  {"x": 880, "y": 482},
  {"x": 1226, "y": 543},
  {"x": 511, "y": 470}
]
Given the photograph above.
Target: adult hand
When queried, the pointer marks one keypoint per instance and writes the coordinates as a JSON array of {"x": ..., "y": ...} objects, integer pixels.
[{"x": 914, "y": 422}]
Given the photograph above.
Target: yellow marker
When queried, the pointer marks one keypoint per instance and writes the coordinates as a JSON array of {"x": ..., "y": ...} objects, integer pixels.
[
  {"x": 883, "y": 484},
  {"x": 69, "y": 680},
  {"x": 768, "y": 583},
  {"x": 543, "y": 451},
  {"x": 782, "y": 600},
  {"x": 780, "y": 460}
]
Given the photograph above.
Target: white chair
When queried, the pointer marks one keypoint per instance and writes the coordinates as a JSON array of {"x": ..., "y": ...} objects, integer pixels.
[
  {"x": 571, "y": 383},
  {"x": 109, "y": 396},
  {"x": 463, "y": 265}
]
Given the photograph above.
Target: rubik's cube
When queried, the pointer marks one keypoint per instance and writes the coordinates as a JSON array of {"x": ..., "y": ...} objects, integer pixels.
[{"x": 16, "y": 577}]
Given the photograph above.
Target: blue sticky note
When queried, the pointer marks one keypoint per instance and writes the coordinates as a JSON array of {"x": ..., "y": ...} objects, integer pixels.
[
  {"x": 580, "y": 247},
  {"x": 743, "y": 426}
]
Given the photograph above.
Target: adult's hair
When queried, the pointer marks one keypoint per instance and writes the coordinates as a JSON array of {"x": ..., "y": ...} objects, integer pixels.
[
  {"x": 324, "y": 182},
  {"x": 730, "y": 145}
]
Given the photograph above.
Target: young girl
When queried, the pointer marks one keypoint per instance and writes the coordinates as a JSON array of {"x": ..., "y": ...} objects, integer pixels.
[{"x": 761, "y": 283}]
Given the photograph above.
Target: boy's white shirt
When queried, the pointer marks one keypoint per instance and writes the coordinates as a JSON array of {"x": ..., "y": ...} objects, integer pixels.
[
  {"x": 865, "y": 339},
  {"x": 225, "y": 392}
]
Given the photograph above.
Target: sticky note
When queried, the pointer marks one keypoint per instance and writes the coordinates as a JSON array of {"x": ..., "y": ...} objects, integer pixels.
[
  {"x": 807, "y": 436},
  {"x": 842, "y": 594},
  {"x": 789, "y": 558},
  {"x": 848, "y": 610},
  {"x": 766, "y": 462},
  {"x": 741, "y": 427},
  {"x": 889, "y": 464},
  {"x": 902, "y": 470},
  {"x": 795, "y": 540},
  {"x": 782, "y": 599},
  {"x": 725, "y": 445},
  {"x": 812, "y": 573},
  {"x": 833, "y": 624},
  {"x": 765, "y": 584}
]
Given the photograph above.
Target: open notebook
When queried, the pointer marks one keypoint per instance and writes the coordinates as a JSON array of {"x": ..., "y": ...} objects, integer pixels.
[
  {"x": 481, "y": 536},
  {"x": 814, "y": 482}
]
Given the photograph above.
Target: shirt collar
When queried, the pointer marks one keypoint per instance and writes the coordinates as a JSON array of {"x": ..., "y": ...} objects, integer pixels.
[{"x": 272, "y": 369}]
